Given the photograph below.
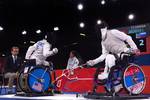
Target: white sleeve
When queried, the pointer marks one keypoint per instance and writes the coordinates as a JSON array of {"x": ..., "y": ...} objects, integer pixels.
[
  {"x": 76, "y": 63},
  {"x": 124, "y": 37},
  {"x": 103, "y": 55},
  {"x": 47, "y": 50},
  {"x": 30, "y": 51}
]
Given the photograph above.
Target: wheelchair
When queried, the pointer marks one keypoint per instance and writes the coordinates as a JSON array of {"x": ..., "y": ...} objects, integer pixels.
[
  {"x": 124, "y": 75},
  {"x": 34, "y": 79}
]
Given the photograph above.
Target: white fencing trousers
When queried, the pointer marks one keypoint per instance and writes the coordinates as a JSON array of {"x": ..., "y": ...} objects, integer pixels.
[{"x": 109, "y": 62}]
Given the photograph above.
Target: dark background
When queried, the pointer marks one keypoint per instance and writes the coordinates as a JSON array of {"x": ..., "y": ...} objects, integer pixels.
[{"x": 30, "y": 15}]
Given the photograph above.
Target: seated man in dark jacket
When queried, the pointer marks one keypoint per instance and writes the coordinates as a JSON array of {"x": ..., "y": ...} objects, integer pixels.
[{"x": 13, "y": 63}]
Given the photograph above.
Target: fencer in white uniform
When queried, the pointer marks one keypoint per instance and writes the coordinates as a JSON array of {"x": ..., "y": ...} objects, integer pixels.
[
  {"x": 113, "y": 42},
  {"x": 40, "y": 51}
]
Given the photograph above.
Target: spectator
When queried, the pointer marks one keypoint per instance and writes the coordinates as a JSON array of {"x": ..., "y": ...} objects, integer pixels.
[{"x": 74, "y": 60}]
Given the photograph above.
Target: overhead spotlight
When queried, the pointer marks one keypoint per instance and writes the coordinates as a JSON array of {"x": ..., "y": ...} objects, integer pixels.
[
  {"x": 25, "y": 42},
  {"x": 103, "y": 2},
  {"x": 56, "y": 28},
  {"x": 74, "y": 43},
  {"x": 1, "y": 28},
  {"x": 38, "y": 31},
  {"x": 24, "y": 32},
  {"x": 82, "y": 25},
  {"x": 99, "y": 22},
  {"x": 131, "y": 16},
  {"x": 32, "y": 42},
  {"x": 3, "y": 55},
  {"x": 80, "y": 6},
  {"x": 81, "y": 34}
]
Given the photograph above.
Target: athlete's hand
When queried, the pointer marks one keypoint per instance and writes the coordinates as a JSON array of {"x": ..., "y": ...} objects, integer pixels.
[{"x": 136, "y": 52}]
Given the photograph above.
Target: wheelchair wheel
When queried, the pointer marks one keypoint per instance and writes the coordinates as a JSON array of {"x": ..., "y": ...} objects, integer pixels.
[
  {"x": 134, "y": 79},
  {"x": 22, "y": 79},
  {"x": 22, "y": 82},
  {"x": 114, "y": 81},
  {"x": 39, "y": 80}
]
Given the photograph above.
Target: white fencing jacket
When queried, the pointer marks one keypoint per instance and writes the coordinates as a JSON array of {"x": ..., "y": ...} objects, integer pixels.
[
  {"x": 39, "y": 51},
  {"x": 114, "y": 42}
]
